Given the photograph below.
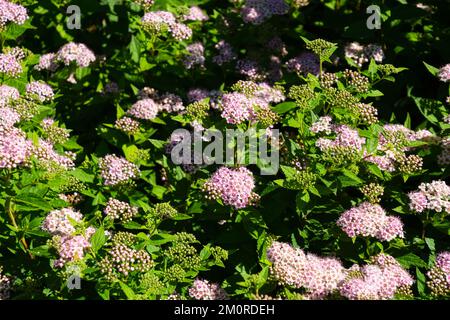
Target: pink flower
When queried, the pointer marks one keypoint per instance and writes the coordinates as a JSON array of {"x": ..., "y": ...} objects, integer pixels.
[
  {"x": 11, "y": 12},
  {"x": 8, "y": 118},
  {"x": 291, "y": 266},
  {"x": 370, "y": 220},
  {"x": 76, "y": 53},
  {"x": 41, "y": 91},
  {"x": 433, "y": 196},
  {"x": 10, "y": 65},
  {"x": 195, "y": 56},
  {"x": 226, "y": 53},
  {"x": 15, "y": 149},
  {"x": 59, "y": 222},
  {"x": 257, "y": 11},
  {"x": 47, "y": 62},
  {"x": 237, "y": 108},
  {"x": 305, "y": 63},
  {"x": 116, "y": 170},
  {"x": 195, "y": 14},
  {"x": 444, "y": 73},
  {"x": 145, "y": 109},
  {"x": 8, "y": 94},
  {"x": 204, "y": 290},
  {"x": 418, "y": 201}
]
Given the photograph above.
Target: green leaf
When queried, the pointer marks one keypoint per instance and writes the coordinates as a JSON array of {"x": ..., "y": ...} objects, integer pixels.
[
  {"x": 127, "y": 290},
  {"x": 374, "y": 93},
  {"x": 373, "y": 66},
  {"x": 429, "y": 108},
  {"x": 41, "y": 251},
  {"x": 349, "y": 179},
  {"x": 430, "y": 243},
  {"x": 374, "y": 169},
  {"x": 98, "y": 239},
  {"x": 13, "y": 30},
  {"x": 181, "y": 217},
  {"x": 82, "y": 175},
  {"x": 32, "y": 202},
  {"x": 411, "y": 260},
  {"x": 135, "y": 49},
  {"x": 421, "y": 282}
]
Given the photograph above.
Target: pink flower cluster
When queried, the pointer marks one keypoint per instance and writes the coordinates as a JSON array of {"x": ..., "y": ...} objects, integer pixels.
[
  {"x": 233, "y": 186},
  {"x": 443, "y": 158},
  {"x": 320, "y": 277},
  {"x": 237, "y": 108},
  {"x": 152, "y": 103},
  {"x": 78, "y": 53},
  {"x": 48, "y": 156},
  {"x": 203, "y": 290},
  {"x": 47, "y": 62},
  {"x": 196, "y": 55},
  {"x": 10, "y": 64},
  {"x": 293, "y": 267},
  {"x": 127, "y": 125},
  {"x": 170, "y": 103},
  {"x": 444, "y": 73},
  {"x": 197, "y": 94},
  {"x": 8, "y": 118},
  {"x": 258, "y": 11},
  {"x": 5, "y": 286},
  {"x": 370, "y": 220},
  {"x": 433, "y": 196},
  {"x": 305, "y": 63},
  {"x": 391, "y": 142},
  {"x": 443, "y": 262},
  {"x": 40, "y": 91},
  {"x": 322, "y": 125},
  {"x": 249, "y": 68},
  {"x": 72, "y": 52},
  {"x": 70, "y": 247},
  {"x": 346, "y": 137},
  {"x": 59, "y": 222},
  {"x": 242, "y": 105},
  {"x": 378, "y": 280},
  {"x": 116, "y": 170},
  {"x": 159, "y": 21},
  {"x": 361, "y": 54},
  {"x": 265, "y": 94},
  {"x": 116, "y": 209},
  {"x": 195, "y": 14},
  {"x": 11, "y": 12},
  {"x": 146, "y": 109},
  {"x": 15, "y": 149}
]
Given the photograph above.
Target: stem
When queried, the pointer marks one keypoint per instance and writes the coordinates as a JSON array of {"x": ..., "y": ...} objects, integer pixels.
[
  {"x": 320, "y": 65},
  {"x": 425, "y": 223}
]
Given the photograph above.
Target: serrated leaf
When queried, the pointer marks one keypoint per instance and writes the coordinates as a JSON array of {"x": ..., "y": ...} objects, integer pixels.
[
  {"x": 411, "y": 260},
  {"x": 284, "y": 107},
  {"x": 433, "y": 70},
  {"x": 98, "y": 239}
]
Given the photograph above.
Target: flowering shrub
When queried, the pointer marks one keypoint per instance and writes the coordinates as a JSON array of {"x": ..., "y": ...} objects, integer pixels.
[{"x": 356, "y": 121}]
